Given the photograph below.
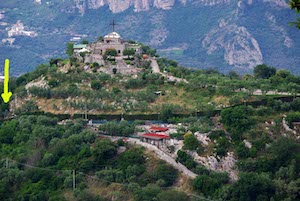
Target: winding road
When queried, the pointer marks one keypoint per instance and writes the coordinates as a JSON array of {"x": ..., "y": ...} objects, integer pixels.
[
  {"x": 155, "y": 69},
  {"x": 160, "y": 154}
]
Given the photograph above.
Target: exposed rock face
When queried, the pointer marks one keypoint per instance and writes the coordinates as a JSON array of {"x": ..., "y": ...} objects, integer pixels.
[
  {"x": 278, "y": 3},
  {"x": 159, "y": 34},
  {"x": 287, "y": 41},
  {"x": 224, "y": 164},
  {"x": 38, "y": 1},
  {"x": 95, "y": 4},
  {"x": 117, "y": 6},
  {"x": 141, "y": 5},
  {"x": 221, "y": 34},
  {"x": 241, "y": 49},
  {"x": 164, "y": 4}
]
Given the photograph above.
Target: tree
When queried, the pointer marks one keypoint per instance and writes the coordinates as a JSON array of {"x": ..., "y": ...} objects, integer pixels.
[
  {"x": 54, "y": 61},
  {"x": 147, "y": 193},
  {"x": 100, "y": 38},
  {"x": 206, "y": 184},
  {"x": 7, "y": 132},
  {"x": 251, "y": 186},
  {"x": 84, "y": 42},
  {"x": 96, "y": 65},
  {"x": 128, "y": 52},
  {"x": 70, "y": 49},
  {"x": 167, "y": 112},
  {"x": 172, "y": 195},
  {"x": 236, "y": 119},
  {"x": 111, "y": 52},
  {"x": 166, "y": 173},
  {"x": 82, "y": 54},
  {"x": 104, "y": 150},
  {"x": 131, "y": 157},
  {"x": 264, "y": 72},
  {"x": 233, "y": 75},
  {"x": 114, "y": 70},
  {"x": 295, "y": 5},
  {"x": 186, "y": 159},
  {"x": 95, "y": 85},
  {"x": 190, "y": 142}
]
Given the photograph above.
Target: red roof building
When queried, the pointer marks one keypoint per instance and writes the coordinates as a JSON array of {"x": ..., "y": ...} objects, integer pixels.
[
  {"x": 158, "y": 129},
  {"x": 155, "y": 136}
]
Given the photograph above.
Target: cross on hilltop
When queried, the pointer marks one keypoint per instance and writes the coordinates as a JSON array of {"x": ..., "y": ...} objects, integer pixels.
[{"x": 113, "y": 24}]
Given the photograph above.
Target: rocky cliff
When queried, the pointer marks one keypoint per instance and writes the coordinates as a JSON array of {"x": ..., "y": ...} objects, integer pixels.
[
  {"x": 220, "y": 34},
  {"x": 117, "y": 6},
  {"x": 240, "y": 47}
]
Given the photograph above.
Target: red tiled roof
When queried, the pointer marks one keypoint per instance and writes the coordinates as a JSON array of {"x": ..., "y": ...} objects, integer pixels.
[
  {"x": 161, "y": 129},
  {"x": 155, "y": 136}
]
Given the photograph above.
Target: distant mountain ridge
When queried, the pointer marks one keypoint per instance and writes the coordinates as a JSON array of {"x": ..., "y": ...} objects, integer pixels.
[{"x": 221, "y": 34}]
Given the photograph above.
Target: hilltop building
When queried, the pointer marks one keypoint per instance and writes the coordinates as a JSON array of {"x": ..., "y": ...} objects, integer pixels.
[
  {"x": 80, "y": 48},
  {"x": 95, "y": 51},
  {"x": 18, "y": 29}
]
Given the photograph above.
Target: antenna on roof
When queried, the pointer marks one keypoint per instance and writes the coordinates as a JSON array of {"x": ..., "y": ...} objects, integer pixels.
[{"x": 113, "y": 24}]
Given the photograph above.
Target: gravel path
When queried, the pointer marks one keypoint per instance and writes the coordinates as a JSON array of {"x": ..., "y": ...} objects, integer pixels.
[{"x": 164, "y": 157}]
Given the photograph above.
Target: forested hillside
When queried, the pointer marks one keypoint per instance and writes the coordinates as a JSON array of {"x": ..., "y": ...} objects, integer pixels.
[
  {"x": 223, "y": 35},
  {"x": 238, "y": 135}
]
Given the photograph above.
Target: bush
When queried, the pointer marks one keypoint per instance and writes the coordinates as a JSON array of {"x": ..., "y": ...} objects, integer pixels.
[
  {"x": 172, "y": 195},
  {"x": 165, "y": 172},
  {"x": 251, "y": 186},
  {"x": 186, "y": 159},
  {"x": 190, "y": 142},
  {"x": 237, "y": 120},
  {"x": 95, "y": 85},
  {"x": 293, "y": 117}
]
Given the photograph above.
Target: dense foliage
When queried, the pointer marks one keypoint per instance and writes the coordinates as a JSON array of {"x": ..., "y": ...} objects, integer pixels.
[{"x": 41, "y": 155}]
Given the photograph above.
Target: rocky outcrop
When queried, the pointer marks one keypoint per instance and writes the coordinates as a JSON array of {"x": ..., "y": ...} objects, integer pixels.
[
  {"x": 164, "y": 4},
  {"x": 95, "y": 4},
  {"x": 286, "y": 40},
  {"x": 141, "y": 5},
  {"x": 224, "y": 164},
  {"x": 159, "y": 34},
  {"x": 277, "y": 3},
  {"x": 241, "y": 49},
  {"x": 117, "y": 6}
]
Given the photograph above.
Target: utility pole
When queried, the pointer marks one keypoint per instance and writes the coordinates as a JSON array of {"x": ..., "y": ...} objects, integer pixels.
[
  {"x": 74, "y": 182},
  {"x": 85, "y": 112}
]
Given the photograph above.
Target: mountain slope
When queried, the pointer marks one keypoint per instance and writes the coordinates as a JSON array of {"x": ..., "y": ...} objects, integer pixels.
[{"x": 220, "y": 34}]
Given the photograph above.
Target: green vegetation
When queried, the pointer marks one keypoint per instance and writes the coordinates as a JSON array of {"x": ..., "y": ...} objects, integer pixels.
[
  {"x": 234, "y": 112},
  {"x": 190, "y": 142},
  {"x": 70, "y": 49},
  {"x": 129, "y": 52},
  {"x": 42, "y": 155},
  {"x": 295, "y": 5},
  {"x": 111, "y": 52}
]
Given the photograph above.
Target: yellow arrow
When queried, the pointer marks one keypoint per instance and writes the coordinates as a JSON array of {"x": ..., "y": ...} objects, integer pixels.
[{"x": 6, "y": 95}]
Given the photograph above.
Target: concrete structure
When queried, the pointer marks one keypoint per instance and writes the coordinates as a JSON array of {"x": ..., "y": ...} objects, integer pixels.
[
  {"x": 91, "y": 58},
  {"x": 113, "y": 41},
  {"x": 79, "y": 48},
  {"x": 95, "y": 51},
  {"x": 18, "y": 29}
]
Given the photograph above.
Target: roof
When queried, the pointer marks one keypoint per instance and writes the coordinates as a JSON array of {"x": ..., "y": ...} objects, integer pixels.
[
  {"x": 112, "y": 35},
  {"x": 84, "y": 50},
  {"x": 160, "y": 129},
  {"x": 155, "y": 136},
  {"x": 79, "y": 46}
]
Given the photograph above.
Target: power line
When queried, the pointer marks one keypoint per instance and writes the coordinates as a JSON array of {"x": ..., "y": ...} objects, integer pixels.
[{"x": 90, "y": 176}]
